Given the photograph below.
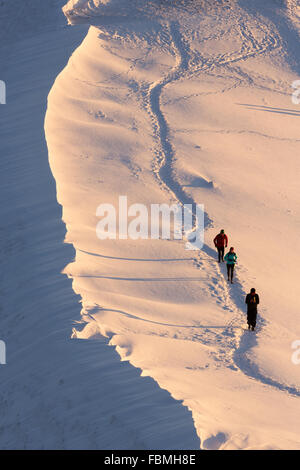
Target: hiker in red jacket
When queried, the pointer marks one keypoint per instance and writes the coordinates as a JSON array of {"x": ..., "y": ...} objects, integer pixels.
[{"x": 221, "y": 242}]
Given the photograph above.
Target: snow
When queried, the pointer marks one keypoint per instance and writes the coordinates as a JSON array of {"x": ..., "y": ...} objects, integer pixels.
[
  {"x": 181, "y": 102},
  {"x": 57, "y": 392}
]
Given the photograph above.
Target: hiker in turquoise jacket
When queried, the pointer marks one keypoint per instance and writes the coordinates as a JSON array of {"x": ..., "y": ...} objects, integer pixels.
[{"x": 231, "y": 259}]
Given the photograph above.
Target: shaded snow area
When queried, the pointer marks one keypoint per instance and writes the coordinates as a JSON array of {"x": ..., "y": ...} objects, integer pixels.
[
  {"x": 58, "y": 392},
  {"x": 133, "y": 344}
]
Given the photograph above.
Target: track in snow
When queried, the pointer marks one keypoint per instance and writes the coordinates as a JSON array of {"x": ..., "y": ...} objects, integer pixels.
[{"x": 188, "y": 66}]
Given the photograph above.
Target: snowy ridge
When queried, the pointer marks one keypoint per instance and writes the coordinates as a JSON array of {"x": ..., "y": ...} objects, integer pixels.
[
  {"x": 57, "y": 393},
  {"x": 134, "y": 113},
  {"x": 81, "y": 9}
]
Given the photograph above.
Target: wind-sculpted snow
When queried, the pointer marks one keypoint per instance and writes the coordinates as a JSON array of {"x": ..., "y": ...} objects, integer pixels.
[
  {"x": 192, "y": 105},
  {"x": 78, "y": 10},
  {"x": 57, "y": 393},
  {"x": 91, "y": 11}
]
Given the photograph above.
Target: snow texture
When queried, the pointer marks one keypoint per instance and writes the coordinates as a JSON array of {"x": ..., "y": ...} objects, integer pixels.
[{"x": 163, "y": 101}]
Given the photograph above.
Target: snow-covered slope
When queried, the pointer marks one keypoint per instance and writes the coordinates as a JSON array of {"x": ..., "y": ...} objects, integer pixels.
[
  {"x": 56, "y": 392},
  {"x": 189, "y": 101}
]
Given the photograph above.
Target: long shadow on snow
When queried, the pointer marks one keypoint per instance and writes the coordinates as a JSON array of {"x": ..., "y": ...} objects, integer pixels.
[
  {"x": 269, "y": 109},
  {"x": 98, "y": 309},
  {"x": 241, "y": 359}
]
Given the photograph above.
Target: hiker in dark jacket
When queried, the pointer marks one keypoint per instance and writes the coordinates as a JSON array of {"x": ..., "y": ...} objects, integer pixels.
[
  {"x": 221, "y": 242},
  {"x": 231, "y": 259},
  {"x": 252, "y": 301}
]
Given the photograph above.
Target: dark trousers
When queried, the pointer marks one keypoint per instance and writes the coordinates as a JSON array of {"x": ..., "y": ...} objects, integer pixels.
[
  {"x": 221, "y": 253},
  {"x": 251, "y": 318},
  {"x": 230, "y": 269}
]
